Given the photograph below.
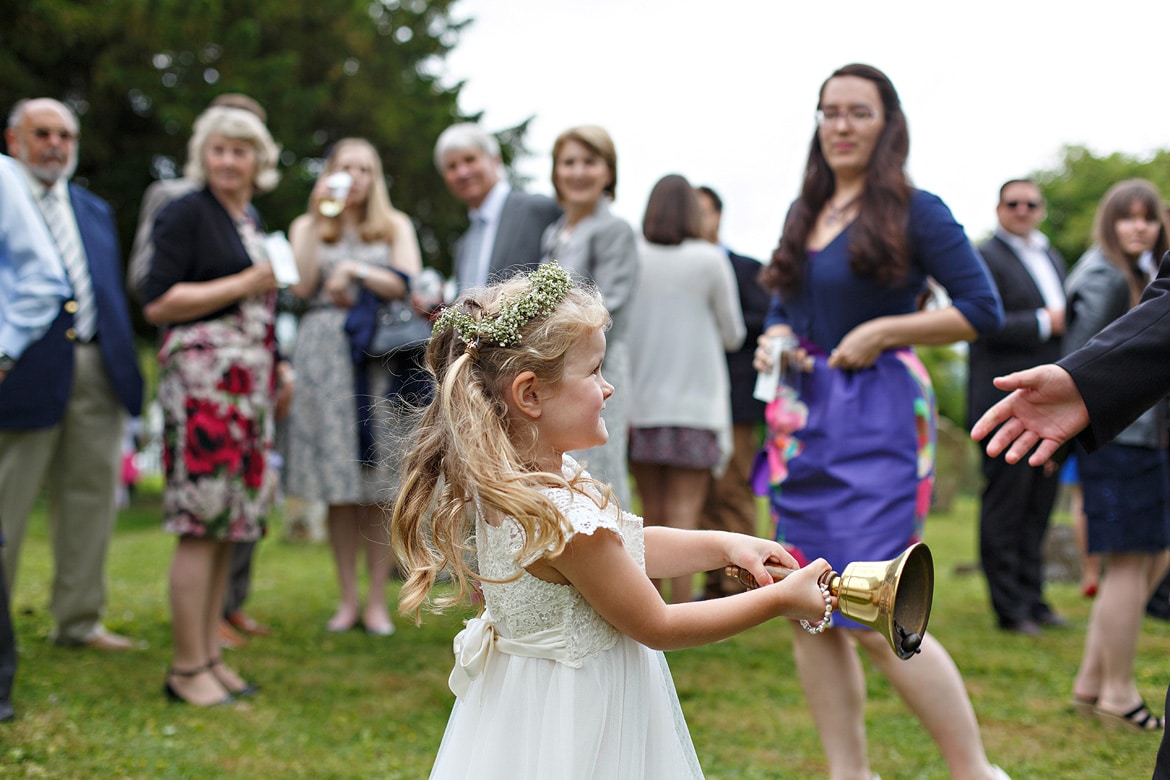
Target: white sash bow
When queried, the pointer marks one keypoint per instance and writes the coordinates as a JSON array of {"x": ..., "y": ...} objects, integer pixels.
[{"x": 475, "y": 643}]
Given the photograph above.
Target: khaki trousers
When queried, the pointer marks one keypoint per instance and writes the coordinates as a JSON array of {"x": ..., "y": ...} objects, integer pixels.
[{"x": 78, "y": 462}]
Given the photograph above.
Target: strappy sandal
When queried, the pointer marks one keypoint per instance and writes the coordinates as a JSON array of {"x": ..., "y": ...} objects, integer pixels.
[
  {"x": 1138, "y": 719},
  {"x": 248, "y": 690},
  {"x": 1084, "y": 705},
  {"x": 178, "y": 698}
]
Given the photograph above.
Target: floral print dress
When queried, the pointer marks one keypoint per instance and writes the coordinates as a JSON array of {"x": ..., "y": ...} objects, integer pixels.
[{"x": 216, "y": 388}]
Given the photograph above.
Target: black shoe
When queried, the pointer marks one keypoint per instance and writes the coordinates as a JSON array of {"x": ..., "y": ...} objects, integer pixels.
[
  {"x": 177, "y": 698},
  {"x": 249, "y": 689},
  {"x": 6, "y": 712},
  {"x": 1158, "y": 608},
  {"x": 1025, "y": 627},
  {"x": 1052, "y": 620}
]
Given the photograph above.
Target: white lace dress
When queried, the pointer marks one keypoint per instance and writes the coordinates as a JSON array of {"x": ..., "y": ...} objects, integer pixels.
[{"x": 546, "y": 688}]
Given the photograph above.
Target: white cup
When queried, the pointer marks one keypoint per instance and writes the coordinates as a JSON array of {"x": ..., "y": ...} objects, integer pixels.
[{"x": 334, "y": 203}]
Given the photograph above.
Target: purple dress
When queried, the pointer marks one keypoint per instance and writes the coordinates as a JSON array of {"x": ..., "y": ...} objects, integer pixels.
[{"x": 848, "y": 464}]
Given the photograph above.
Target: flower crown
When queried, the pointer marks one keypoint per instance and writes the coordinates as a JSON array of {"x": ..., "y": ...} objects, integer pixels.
[{"x": 548, "y": 286}]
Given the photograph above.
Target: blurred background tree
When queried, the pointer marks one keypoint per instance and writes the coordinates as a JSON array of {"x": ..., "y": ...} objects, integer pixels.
[{"x": 138, "y": 72}]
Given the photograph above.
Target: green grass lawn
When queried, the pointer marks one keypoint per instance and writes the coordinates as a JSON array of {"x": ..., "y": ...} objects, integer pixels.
[{"x": 354, "y": 706}]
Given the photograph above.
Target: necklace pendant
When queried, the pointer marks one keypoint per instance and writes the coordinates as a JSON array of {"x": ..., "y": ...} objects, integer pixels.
[{"x": 837, "y": 213}]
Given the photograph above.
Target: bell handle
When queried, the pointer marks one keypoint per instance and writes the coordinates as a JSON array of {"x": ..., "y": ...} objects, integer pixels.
[{"x": 829, "y": 579}]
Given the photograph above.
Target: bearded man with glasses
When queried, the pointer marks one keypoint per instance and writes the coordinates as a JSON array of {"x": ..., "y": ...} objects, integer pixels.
[
  {"x": 64, "y": 403},
  {"x": 1017, "y": 498}
]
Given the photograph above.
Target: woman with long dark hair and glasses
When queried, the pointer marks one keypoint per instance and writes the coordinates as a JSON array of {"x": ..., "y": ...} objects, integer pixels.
[{"x": 852, "y": 429}]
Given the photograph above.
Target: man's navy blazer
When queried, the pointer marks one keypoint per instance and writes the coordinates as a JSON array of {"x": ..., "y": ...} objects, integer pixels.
[{"x": 36, "y": 392}]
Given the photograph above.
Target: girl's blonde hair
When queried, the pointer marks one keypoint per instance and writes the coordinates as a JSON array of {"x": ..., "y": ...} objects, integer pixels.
[
  {"x": 467, "y": 455},
  {"x": 376, "y": 220}
]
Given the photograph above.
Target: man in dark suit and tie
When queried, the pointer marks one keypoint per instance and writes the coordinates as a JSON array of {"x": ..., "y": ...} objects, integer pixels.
[
  {"x": 506, "y": 225},
  {"x": 63, "y": 404},
  {"x": 1081, "y": 397},
  {"x": 1017, "y": 498}
]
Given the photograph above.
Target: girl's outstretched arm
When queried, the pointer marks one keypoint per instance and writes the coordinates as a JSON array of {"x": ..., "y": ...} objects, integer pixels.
[
  {"x": 613, "y": 583},
  {"x": 674, "y": 552}
]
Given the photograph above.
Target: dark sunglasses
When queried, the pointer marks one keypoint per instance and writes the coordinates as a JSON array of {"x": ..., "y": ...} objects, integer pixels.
[{"x": 1015, "y": 204}]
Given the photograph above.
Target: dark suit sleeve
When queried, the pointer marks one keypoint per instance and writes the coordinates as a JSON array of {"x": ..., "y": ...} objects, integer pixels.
[
  {"x": 521, "y": 230},
  {"x": 548, "y": 210},
  {"x": 1124, "y": 370},
  {"x": 753, "y": 298},
  {"x": 99, "y": 234}
]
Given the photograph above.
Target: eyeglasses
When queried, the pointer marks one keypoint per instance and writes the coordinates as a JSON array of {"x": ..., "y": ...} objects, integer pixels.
[
  {"x": 1015, "y": 204},
  {"x": 44, "y": 134},
  {"x": 855, "y": 116}
]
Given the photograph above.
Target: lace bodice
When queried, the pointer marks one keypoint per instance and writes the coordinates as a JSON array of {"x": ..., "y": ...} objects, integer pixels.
[{"x": 528, "y": 605}]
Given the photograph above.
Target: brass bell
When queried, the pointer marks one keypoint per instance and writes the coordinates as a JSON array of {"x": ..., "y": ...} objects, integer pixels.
[{"x": 893, "y": 596}]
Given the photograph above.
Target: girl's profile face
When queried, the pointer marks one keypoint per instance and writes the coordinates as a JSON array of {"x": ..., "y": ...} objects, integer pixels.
[
  {"x": 571, "y": 411},
  {"x": 1137, "y": 231}
]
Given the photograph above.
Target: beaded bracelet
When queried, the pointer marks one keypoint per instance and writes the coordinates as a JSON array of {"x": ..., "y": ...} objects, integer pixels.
[{"x": 827, "y": 620}]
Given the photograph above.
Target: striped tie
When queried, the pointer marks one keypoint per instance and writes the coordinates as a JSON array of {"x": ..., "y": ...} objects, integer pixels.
[
  {"x": 57, "y": 217},
  {"x": 471, "y": 270}
]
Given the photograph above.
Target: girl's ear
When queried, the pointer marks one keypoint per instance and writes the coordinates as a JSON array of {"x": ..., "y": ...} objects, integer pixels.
[{"x": 524, "y": 395}]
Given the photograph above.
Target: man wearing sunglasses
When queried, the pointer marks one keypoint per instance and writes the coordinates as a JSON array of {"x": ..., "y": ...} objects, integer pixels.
[{"x": 1017, "y": 498}]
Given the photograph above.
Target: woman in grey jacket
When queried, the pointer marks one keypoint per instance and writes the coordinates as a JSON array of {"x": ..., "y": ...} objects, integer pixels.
[
  {"x": 1126, "y": 483},
  {"x": 594, "y": 244}
]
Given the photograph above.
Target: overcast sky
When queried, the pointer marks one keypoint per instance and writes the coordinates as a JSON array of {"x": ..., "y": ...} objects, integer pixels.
[{"x": 724, "y": 91}]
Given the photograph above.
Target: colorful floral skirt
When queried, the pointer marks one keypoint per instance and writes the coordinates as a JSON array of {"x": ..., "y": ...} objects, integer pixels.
[
  {"x": 216, "y": 392},
  {"x": 848, "y": 465}
]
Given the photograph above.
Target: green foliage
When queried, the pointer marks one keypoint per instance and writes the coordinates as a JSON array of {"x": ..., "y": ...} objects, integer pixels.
[
  {"x": 947, "y": 366},
  {"x": 1075, "y": 187},
  {"x": 139, "y": 71}
]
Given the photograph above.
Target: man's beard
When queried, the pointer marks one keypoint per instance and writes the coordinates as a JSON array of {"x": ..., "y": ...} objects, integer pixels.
[{"x": 48, "y": 174}]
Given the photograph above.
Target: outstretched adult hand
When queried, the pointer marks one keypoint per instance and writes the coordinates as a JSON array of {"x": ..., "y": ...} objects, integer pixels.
[{"x": 1043, "y": 411}]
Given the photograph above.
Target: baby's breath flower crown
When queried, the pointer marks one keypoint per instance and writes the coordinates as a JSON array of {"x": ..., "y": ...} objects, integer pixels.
[{"x": 548, "y": 286}]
